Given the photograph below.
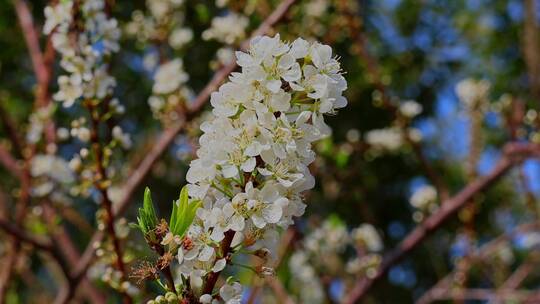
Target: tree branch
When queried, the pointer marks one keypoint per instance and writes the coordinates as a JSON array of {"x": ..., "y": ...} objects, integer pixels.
[
  {"x": 481, "y": 254},
  {"x": 513, "y": 154}
]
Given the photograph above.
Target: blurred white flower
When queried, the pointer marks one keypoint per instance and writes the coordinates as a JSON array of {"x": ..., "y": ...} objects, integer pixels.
[
  {"x": 424, "y": 197},
  {"x": 473, "y": 92},
  {"x": 169, "y": 77},
  {"x": 410, "y": 108},
  {"x": 227, "y": 29},
  {"x": 367, "y": 236}
]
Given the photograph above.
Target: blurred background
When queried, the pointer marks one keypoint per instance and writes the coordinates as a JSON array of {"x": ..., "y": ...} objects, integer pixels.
[{"x": 435, "y": 91}]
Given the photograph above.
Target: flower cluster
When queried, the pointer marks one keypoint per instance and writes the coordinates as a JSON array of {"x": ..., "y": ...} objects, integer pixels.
[
  {"x": 164, "y": 26},
  {"x": 38, "y": 119},
  {"x": 254, "y": 154},
  {"x": 410, "y": 108},
  {"x": 164, "y": 23},
  {"x": 49, "y": 172},
  {"x": 169, "y": 90},
  {"x": 84, "y": 58},
  {"x": 322, "y": 253}
]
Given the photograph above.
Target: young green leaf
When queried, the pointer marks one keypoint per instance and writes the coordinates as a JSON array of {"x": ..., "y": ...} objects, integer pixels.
[
  {"x": 183, "y": 213},
  {"x": 147, "y": 219},
  {"x": 149, "y": 208}
]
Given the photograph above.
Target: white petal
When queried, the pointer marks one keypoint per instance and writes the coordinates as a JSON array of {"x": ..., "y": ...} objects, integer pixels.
[
  {"x": 273, "y": 85},
  {"x": 206, "y": 253},
  {"x": 249, "y": 165},
  {"x": 219, "y": 265},
  {"x": 272, "y": 213},
  {"x": 258, "y": 221},
  {"x": 180, "y": 256},
  {"x": 237, "y": 223},
  {"x": 191, "y": 254},
  {"x": 229, "y": 171}
]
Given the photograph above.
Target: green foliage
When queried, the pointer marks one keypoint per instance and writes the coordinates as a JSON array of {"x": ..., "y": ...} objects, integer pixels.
[{"x": 183, "y": 213}]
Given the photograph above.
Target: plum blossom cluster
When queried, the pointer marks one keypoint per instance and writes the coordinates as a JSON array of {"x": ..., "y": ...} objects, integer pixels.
[
  {"x": 410, "y": 108},
  {"x": 322, "y": 254},
  {"x": 38, "y": 120},
  {"x": 253, "y": 159},
  {"x": 229, "y": 30},
  {"x": 85, "y": 51},
  {"x": 50, "y": 172}
]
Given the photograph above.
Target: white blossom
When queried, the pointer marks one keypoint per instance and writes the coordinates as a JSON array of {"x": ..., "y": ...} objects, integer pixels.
[
  {"x": 60, "y": 14},
  {"x": 389, "y": 138},
  {"x": 368, "y": 237},
  {"x": 424, "y": 197},
  {"x": 83, "y": 53},
  {"x": 180, "y": 37},
  {"x": 227, "y": 29},
  {"x": 169, "y": 77},
  {"x": 410, "y": 108},
  {"x": 472, "y": 92}
]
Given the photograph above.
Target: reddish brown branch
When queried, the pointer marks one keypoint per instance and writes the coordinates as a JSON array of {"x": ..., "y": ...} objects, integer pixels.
[
  {"x": 531, "y": 47},
  {"x": 482, "y": 254},
  {"x": 479, "y": 294},
  {"x": 513, "y": 154},
  {"x": 31, "y": 38},
  {"x": 25, "y": 237}
]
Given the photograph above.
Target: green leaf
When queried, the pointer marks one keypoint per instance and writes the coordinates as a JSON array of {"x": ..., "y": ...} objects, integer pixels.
[
  {"x": 183, "y": 213},
  {"x": 149, "y": 208},
  {"x": 147, "y": 219}
]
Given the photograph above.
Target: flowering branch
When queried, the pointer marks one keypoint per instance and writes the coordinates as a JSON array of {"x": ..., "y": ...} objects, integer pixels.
[
  {"x": 513, "y": 154},
  {"x": 137, "y": 176}
]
